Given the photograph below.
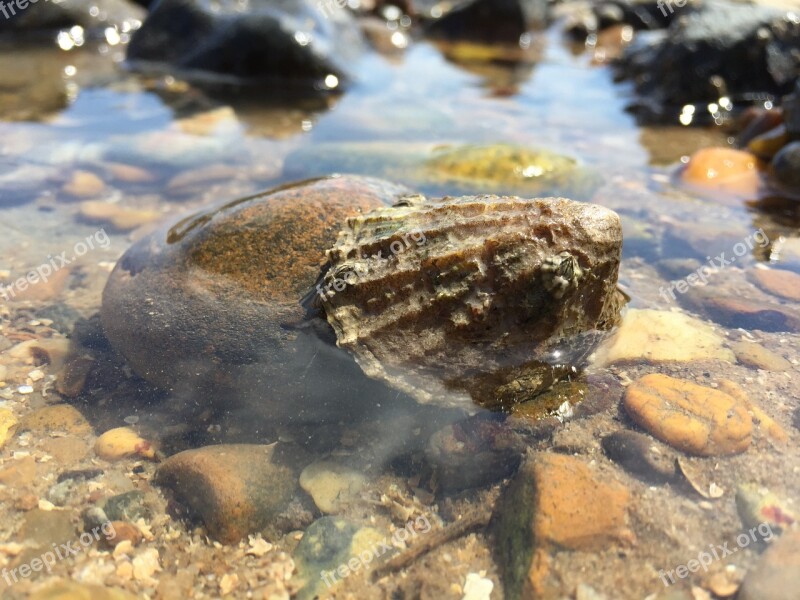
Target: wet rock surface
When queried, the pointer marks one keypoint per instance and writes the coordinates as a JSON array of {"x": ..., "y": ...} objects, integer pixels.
[
  {"x": 777, "y": 572},
  {"x": 730, "y": 50},
  {"x": 554, "y": 501},
  {"x": 640, "y": 455},
  {"x": 523, "y": 281},
  {"x": 92, "y": 16},
  {"x": 692, "y": 418},
  {"x": 490, "y": 21},
  {"x": 234, "y": 489},
  {"x": 270, "y": 41}
]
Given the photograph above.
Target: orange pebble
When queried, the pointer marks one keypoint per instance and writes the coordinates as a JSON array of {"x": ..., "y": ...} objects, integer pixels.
[{"x": 725, "y": 170}]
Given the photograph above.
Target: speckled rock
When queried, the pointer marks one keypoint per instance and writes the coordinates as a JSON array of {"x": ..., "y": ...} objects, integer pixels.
[
  {"x": 445, "y": 168},
  {"x": 182, "y": 304},
  {"x": 236, "y": 489},
  {"x": 756, "y": 356},
  {"x": 328, "y": 547},
  {"x": 56, "y": 417},
  {"x": 692, "y": 418},
  {"x": 658, "y": 336},
  {"x": 776, "y": 573},
  {"x": 332, "y": 485},
  {"x": 555, "y": 502}
]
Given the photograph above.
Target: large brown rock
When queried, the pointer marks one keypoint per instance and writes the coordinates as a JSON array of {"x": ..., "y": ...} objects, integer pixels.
[{"x": 192, "y": 303}]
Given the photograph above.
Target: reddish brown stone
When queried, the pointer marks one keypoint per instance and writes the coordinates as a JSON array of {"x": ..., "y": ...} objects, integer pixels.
[{"x": 778, "y": 282}]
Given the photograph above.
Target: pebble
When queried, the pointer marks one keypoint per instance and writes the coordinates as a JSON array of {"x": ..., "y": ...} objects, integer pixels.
[
  {"x": 332, "y": 485},
  {"x": 236, "y": 489},
  {"x": 757, "y": 506},
  {"x": 59, "y": 494},
  {"x": 692, "y": 418},
  {"x": 72, "y": 590},
  {"x": 129, "y": 173},
  {"x": 755, "y": 355},
  {"x": 777, "y": 571},
  {"x": 477, "y": 587},
  {"x": 122, "y": 218},
  {"x": 122, "y": 532},
  {"x": 328, "y": 548},
  {"x": 84, "y": 184},
  {"x": 766, "y": 145},
  {"x": 67, "y": 450},
  {"x": 44, "y": 291},
  {"x": 723, "y": 170},
  {"x": 8, "y": 422},
  {"x": 45, "y": 527},
  {"x": 56, "y": 418},
  {"x": 640, "y": 455},
  {"x": 777, "y": 282},
  {"x": 658, "y": 336},
  {"x": 738, "y": 312},
  {"x": 20, "y": 473},
  {"x": 122, "y": 442},
  {"x": 785, "y": 166},
  {"x": 128, "y": 506},
  {"x": 555, "y": 501}
]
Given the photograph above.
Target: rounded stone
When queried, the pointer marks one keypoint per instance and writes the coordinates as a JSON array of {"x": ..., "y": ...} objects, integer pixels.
[
  {"x": 785, "y": 166},
  {"x": 778, "y": 282},
  {"x": 184, "y": 302},
  {"x": 640, "y": 455},
  {"x": 723, "y": 169},
  {"x": 690, "y": 417}
]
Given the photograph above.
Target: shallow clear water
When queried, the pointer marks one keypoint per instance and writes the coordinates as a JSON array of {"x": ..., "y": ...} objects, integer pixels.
[{"x": 401, "y": 106}]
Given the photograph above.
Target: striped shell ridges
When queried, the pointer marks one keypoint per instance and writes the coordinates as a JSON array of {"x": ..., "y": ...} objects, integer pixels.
[{"x": 451, "y": 299}]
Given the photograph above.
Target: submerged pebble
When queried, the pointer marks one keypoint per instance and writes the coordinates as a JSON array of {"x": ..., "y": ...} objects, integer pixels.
[{"x": 695, "y": 419}]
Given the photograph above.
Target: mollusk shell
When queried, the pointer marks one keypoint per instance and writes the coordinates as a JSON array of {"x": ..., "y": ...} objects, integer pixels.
[{"x": 448, "y": 299}]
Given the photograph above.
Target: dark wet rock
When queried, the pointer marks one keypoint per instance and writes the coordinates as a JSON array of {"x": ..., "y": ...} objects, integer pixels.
[
  {"x": 473, "y": 453},
  {"x": 128, "y": 506},
  {"x": 755, "y": 122},
  {"x": 491, "y": 21},
  {"x": 554, "y": 502},
  {"x": 640, "y": 455},
  {"x": 94, "y": 516},
  {"x": 715, "y": 49},
  {"x": 323, "y": 555},
  {"x": 121, "y": 15},
  {"x": 767, "y": 145},
  {"x": 234, "y": 489},
  {"x": 776, "y": 573},
  {"x": 791, "y": 113},
  {"x": 79, "y": 474},
  {"x": 269, "y": 40},
  {"x": 785, "y": 166}
]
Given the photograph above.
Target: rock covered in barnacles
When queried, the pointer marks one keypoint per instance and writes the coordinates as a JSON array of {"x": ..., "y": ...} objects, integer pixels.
[{"x": 479, "y": 298}]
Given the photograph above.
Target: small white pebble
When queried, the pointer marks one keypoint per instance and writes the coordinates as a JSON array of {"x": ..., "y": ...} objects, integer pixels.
[
  {"x": 477, "y": 587},
  {"x": 131, "y": 419},
  {"x": 25, "y": 389},
  {"x": 46, "y": 505},
  {"x": 36, "y": 375}
]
